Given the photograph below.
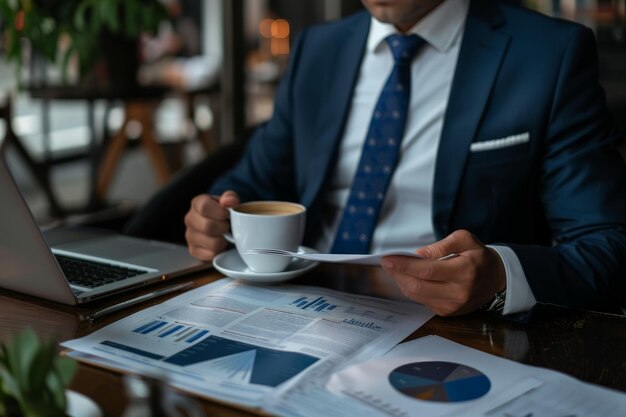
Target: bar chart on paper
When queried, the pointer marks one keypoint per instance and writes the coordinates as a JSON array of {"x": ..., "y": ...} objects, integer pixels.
[
  {"x": 173, "y": 331},
  {"x": 156, "y": 338},
  {"x": 319, "y": 304}
]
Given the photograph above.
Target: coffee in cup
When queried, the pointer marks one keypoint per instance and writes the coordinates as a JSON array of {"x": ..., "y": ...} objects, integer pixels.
[{"x": 266, "y": 225}]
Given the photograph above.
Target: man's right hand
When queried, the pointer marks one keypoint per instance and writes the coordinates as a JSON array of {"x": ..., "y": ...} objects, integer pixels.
[{"x": 206, "y": 222}]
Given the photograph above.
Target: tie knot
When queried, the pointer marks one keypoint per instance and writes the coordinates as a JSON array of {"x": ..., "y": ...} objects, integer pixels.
[{"x": 404, "y": 47}]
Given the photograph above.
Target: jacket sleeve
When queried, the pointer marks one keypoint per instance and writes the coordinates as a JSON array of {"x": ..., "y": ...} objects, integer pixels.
[
  {"x": 266, "y": 170},
  {"x": 583, "y": 192}
]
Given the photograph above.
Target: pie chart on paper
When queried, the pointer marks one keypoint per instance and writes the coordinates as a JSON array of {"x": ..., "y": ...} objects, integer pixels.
[{"x": 443, "y": 382}]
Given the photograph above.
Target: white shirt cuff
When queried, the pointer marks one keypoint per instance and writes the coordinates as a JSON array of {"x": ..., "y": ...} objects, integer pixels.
[{"x": 519, "y": 297}]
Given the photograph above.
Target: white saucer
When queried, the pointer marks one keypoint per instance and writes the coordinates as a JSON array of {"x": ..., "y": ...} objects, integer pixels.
[
  {"x": 230, "y": 264},
  {"x": 79, "y": 405}
]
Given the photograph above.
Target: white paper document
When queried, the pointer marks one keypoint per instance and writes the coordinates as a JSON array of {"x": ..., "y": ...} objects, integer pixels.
[
  {"x": 433, "y": 377},
  {"x": 249, "y": 344},
  {"x": 345, "y": 258}
]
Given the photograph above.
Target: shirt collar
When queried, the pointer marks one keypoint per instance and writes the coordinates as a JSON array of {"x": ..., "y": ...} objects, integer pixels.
[{"x": 441, "y": 28}]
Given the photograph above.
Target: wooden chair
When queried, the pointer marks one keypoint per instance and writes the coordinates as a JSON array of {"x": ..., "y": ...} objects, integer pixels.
[{"x": 138, "y": 112}]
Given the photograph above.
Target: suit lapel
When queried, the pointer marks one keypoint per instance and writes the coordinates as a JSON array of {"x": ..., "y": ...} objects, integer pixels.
[
  {"x": 479, "y": 60},
  {"x": 341, "y": 77}
]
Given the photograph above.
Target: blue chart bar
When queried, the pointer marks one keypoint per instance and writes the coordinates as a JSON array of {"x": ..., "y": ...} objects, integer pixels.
[
  {"x": 182, "y": 335},
  {"x": 171, "y": 330},
  {"x": 132, "y": 350},
  {"x": 163, "y": 329},
  {"x": 319, "y": 304},
  {"x": 150, "y": 327},
  {"x": 196, "y": 336}
]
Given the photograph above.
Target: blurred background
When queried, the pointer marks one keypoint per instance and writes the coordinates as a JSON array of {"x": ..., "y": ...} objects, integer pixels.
[{"x": 102, "y": 102}]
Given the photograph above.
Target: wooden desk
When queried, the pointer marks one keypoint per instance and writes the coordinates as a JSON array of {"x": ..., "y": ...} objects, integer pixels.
[{"x": 590, "y": 346}]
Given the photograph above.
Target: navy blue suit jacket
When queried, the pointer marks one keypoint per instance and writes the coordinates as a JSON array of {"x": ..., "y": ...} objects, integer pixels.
[{"x": 558, "y": 200}]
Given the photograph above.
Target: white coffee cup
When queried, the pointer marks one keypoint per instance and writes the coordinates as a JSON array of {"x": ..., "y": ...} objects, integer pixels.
[{"x": 266, "y": 225}]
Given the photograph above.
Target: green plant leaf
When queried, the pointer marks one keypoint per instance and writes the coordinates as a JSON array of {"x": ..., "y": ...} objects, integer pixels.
[
  {"x": 10, "y": 385},
  {"x": 32, "y": 377},
  {"x": 66, "y": 369},
  {"x": 41, "y": 365},
  {"x": 56, "y": 391},
  {"x": 38, "y": 408},
  {"x": 21, "y": 354},
  {"x": 83, "y": 21},
  {"x": 109, "y": 11},
  {"x": 80, "y": 20},
  {"x": 131, "y": 14}
]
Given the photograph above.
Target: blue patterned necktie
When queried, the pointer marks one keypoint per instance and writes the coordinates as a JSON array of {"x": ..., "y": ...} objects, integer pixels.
[{"x": 380, "y": 151}]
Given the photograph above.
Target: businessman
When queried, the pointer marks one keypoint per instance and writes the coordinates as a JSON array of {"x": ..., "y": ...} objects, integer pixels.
[{"x": 447, "y": 127}]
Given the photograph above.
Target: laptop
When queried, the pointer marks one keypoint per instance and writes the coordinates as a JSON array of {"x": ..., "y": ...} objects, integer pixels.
[{"x": 75, "y": 266}]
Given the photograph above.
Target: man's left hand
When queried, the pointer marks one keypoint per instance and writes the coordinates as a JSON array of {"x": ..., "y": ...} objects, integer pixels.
[{"x": 453, "y": 286}]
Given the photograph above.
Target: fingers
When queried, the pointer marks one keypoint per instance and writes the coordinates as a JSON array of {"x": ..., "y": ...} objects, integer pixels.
[
  {"x": 203, "y": 254},
  {"x": 422, "y": 291},
  {"x": 205, "y": 225},
  {"x": 209, "y": 207},
  {"x": 229, "y": 199},
  {"x": 206, "y": 222},
  {"x": 452, "y": 286},
  {"x": 202, "y": 240},
  {"x": 445, "y": 287},
  {"x": 442, "y": 292},
  {"x": 456, "y": 242},
  {"x": 425, "y": 269},
  {"x": 444, "y": 298}
]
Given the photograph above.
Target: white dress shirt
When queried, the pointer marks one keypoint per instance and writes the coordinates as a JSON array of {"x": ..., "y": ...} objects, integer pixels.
[{"x": 405, "y": 220}]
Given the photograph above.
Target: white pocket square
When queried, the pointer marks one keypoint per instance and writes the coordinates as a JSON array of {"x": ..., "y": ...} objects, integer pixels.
[{"x": 505, "y": 142}]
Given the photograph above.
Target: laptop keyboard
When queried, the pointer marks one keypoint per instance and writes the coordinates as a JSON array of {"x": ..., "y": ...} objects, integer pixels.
[{"x": 91, "y": 274}]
